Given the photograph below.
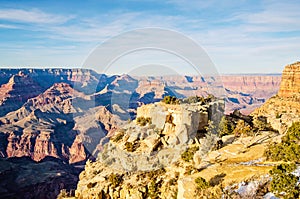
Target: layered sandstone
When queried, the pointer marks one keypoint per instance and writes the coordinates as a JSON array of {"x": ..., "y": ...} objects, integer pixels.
[
  {"x": 145, "y": 160},
  {"x": 51, "y": 124},
  {"x": 290, "y": 84},
  {"x": 16, "y": 92},
  {"x": 284, "y": 108}
]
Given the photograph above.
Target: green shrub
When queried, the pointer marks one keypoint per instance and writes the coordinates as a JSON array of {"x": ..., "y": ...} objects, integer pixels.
[
  {"x": 142, "y": 121},
  {"x": 119, "y": 136},
  {"x": 115, "y": 179},
  {"x": 225, "y": 127},
  {"x": 242, "y": 128},
  {"x": 283, "y": 182},
  {"x": 131, "y": 147},
  {"x": 188, "y": 155},
  {"x": 153, "y": 190},
  {"x": 196, "y": 99},
  {"x": 170, "y": 100},
  {"x": 288, "y": 149},
  {"x": 201, "y": 183},
  {"x": 155, "y": 173},
  {"x": 261, "y": 123}
]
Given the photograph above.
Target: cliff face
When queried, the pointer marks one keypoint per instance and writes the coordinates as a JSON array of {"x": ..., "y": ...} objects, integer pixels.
[
  {"x": 54, "y": 124},
  {"x": 290, "y": 84},
  {"x": 163, "y": 152},
  {"x": 45, "y": 78},
  {"x": 243, "y": 92},
  {"x": 284, "y": 108},
  {"x": 16, "y": 92},
  {"x": 139, "y": 149}
]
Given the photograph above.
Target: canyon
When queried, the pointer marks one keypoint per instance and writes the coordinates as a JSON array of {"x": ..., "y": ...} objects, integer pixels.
[
  {"x": 171, "y": 150},
  {"x": 69, "y": 114}
]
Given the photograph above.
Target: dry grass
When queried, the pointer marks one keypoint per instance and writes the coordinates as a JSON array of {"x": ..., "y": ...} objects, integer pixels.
[{"x": 231, "y": 156}]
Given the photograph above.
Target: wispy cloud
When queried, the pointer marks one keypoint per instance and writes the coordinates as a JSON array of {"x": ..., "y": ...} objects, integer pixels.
[
  {"x": 230, "y": 31},
  {"x": 32, "y": 16},
  {"x": 6, "y": 26}
]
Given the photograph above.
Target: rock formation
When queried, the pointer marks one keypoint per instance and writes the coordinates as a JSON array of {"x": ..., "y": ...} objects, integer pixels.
[
  {"x": 290, "y": 83},
  {"x": 145, "y": 146},
  {"x": 54, "y": 124},
  {"x": 284, "y": 108},
  {"x": 162, "y": 153},
  {"x": 16, "y": 92},
  {"x": 69, "y": 114},
  {"x": 244, "y": 92}
]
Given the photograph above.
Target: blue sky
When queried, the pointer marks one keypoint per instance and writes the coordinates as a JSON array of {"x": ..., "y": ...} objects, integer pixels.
[{"x": 239, "y": 36}]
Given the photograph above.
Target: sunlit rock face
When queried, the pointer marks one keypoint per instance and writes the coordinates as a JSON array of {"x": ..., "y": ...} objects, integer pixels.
[
  {"x": 284, "y": 108},
  {"x": 290, "y": 83}
]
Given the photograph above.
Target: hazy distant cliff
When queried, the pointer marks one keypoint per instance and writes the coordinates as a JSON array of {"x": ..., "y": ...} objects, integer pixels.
[{"x": 35, "y": 104}]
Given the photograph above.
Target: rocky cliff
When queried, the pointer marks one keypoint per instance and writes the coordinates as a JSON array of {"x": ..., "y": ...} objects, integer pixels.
[
  {"x": 243, "y": 92},
  {"x": 284, "y": 108},
  {"x": 154, "y": 140},
  {"x": 55, "y": 124},
  {"x": 16, "y": 92},
  {"x": 290, "y": 83},
  {"x": 166, "y": 152},
  {"x": 69, "y": 113}
]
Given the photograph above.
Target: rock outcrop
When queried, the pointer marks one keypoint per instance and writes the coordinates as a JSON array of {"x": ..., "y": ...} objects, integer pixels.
[
  {"x": 290, "y": 83},
  {"x": 146, "y": 146},
  {"x": 163, "y": 152},
  {"x": 284, "y": 108}
]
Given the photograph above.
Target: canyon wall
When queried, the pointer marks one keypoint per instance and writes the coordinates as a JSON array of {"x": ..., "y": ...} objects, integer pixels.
[
  {"x": 284, "y": 108},
  {"x": 290, "y": 84}
]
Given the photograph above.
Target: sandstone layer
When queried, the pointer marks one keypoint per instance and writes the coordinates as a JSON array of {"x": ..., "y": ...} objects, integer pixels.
[
  {"x": 283, "y": 109},
  {"x": 146, "y": 159},
  {"x": 290, "y": 83}
]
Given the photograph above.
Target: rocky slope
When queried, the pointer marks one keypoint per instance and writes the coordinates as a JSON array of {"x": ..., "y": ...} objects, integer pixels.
[
  {"x": 284, "y": 108},
  {"x": 16, "y": 92},
  {"x": 69, "y": 114},
  {"x": 167, "y": 148},
  {"x": 83, "y": 79},
  {"x": 54, "y": 124}
]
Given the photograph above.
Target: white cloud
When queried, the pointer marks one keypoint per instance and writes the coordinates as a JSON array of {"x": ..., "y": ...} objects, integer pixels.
[
  {"x": 6, "y": 26},
  {"x": 32, "y": 16},
  {"x": 240, "y": 39}
]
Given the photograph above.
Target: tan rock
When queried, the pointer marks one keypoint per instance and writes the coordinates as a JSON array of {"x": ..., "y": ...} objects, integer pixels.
[{"x": 290, "y": 82}]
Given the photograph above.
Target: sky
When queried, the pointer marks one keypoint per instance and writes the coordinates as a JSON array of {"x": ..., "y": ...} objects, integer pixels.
[{"x": 238, "y": 36}]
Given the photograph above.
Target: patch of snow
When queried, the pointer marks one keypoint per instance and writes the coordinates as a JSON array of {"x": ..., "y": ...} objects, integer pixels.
[
  {"x": 270, "y": 196},
  {"x": 297, "y": 173},
  {"x": 248, "y": 189}
]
